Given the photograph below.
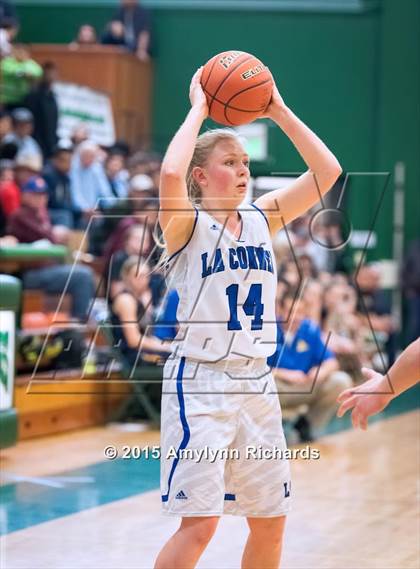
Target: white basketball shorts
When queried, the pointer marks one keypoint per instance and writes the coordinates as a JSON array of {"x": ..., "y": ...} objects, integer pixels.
[{"x": 222, "y": 441}]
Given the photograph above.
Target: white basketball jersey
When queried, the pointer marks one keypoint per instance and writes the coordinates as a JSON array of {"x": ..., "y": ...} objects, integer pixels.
[{"x": 227, "y": 288}]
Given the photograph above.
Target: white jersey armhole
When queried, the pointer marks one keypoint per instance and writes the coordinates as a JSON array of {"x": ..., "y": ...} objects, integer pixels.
[{"x": 188, "y": 240}]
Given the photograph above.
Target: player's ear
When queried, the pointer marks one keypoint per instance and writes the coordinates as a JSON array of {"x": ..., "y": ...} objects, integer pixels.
[{"x": 199, "y": 175}]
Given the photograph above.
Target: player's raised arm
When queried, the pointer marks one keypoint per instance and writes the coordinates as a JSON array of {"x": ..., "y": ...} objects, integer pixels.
[
  {"x": 373, "y": 395},
  {"x": 323, "y": 169},
  {"x": 176, "y": 213}
]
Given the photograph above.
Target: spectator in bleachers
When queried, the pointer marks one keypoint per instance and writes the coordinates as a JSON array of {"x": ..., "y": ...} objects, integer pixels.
[
  {"x": 8, "y": 12},
  {"x": 9, "y": 25},
  {"x": 27, "y": 166},
  {"x": 116, "y": 175},
  {"x": 144, "y": 163},
  {"x": 137, "y": 30},
  {"x": 132, "y": 312},
  {"x": 86, "y": 36},
  {"x": 122, "y": 148},
  {"x": 137, "y": 242},
  {"x": 141, "y": 189},
  {"x": 313, "y": 293},
  {"x": 57, "y": 176},
  {"x": 303, "y": 243},
  {"x": 5, "y": 125},
  {"x": 8, "y": 31},
  {"x": 31, "y": 223},
  {"x": 374, "y": 306},
  {"x": 290, "y": 271},
  {"x": 342, "y": 322},
  {"x": 305, "y": 370},
  {"x": 114, "y": 34},
  {"x": 18, "y": 72},
  {"x": 9, "y": 190},
  {"x": 21, "y": 135},
  {"x": 42, "y": 102},
  {"x": 79, "y": 134},
  {"x": 8, "y": 150},
  {"x": 88, "y": 181},
  {"x": 411, "y": 287},
  {"x": 307, "y": 266}
]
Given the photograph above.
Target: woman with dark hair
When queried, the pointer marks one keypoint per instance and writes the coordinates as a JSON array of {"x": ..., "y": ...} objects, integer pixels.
[{"x": 131, "y": 313}]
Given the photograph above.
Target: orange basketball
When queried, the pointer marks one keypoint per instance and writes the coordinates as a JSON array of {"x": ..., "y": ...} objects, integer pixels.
[{"x": 238, "y": 87}]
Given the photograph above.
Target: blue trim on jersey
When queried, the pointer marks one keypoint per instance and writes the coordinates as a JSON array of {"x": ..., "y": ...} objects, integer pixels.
[
  {"x": 184, "y": 423},
  {"x": 189, "y": 239},
  {"x": 262, "y": 213},
  {"x": 230, "y": 497}
]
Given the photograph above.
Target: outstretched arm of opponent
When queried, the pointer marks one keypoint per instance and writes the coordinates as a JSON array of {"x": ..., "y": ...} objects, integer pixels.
[{"x": 373, "y": 395}]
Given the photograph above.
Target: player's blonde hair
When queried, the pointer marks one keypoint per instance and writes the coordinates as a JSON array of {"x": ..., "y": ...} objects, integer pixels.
[{"x": 204, "y": 146}]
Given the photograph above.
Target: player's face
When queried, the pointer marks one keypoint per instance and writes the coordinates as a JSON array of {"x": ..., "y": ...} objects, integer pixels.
[{"x": 226, "y": 174}]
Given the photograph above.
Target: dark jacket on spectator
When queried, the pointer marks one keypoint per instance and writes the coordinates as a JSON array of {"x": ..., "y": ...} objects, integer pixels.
[
  {"x": 108, "y": 39},
  {"x": 59, "y": 191},
  {"x": 135, "y": 20},
  {"x": 7, "y": 12},
  {"x": 41, "y": 101},
  {"x": 130, "y": 354}
]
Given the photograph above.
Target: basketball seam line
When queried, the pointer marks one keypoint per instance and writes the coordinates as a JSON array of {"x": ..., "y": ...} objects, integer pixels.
[
  {"x": 210, "y": 72},
  {"x": 227, "y": 77},
  {"x": 227, "y": 106},
  {"x": 236, "y": 108}
]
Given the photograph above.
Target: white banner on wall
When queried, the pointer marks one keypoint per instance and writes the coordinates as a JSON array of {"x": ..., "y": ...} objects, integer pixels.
[{"x": 79, "y": 104}]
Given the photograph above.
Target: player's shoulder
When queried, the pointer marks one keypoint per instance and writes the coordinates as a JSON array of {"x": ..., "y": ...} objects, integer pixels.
[{"x": 259, "y": 213}]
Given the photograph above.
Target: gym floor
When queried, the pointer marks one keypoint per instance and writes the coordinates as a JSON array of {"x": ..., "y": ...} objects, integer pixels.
[{"x": 63, "y": 505}]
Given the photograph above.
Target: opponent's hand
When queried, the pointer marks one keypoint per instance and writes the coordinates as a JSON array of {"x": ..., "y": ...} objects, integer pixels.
[
  {"x": 197, "y": 96},
  {"x": 366, "y": 399}
]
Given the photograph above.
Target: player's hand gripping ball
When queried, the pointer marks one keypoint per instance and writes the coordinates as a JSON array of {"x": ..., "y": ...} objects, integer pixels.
[{"x": 238, "y": 87}]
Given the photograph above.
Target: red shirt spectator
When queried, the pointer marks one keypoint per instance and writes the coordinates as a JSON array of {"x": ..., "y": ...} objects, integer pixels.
[{"x": 9, "y": 190}]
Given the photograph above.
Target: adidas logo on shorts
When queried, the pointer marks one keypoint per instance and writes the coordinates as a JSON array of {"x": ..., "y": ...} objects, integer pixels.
[
  {"x": 214, "y": 226},
  {"x": 181, "y": 496}
]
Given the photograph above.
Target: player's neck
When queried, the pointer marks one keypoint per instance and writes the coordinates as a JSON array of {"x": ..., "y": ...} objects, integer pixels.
[{"x": 221, "y": 210}]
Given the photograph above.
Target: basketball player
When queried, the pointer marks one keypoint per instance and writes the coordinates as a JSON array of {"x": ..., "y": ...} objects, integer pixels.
[
  {"x": 373, "y": 395},
  {"x": 218, "y": 392}
]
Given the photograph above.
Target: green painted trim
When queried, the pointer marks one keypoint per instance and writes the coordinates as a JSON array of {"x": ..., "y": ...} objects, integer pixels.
[
  {"x": 8, "y": 428},
  {"x": 23, "y": 251},
  {"x": 324, "y": 6},
  {"x": 11, "y": 292}
]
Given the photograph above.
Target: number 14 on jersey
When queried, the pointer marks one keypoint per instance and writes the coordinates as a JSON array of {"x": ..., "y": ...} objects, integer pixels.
[{"x": 252, "y": 306}]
